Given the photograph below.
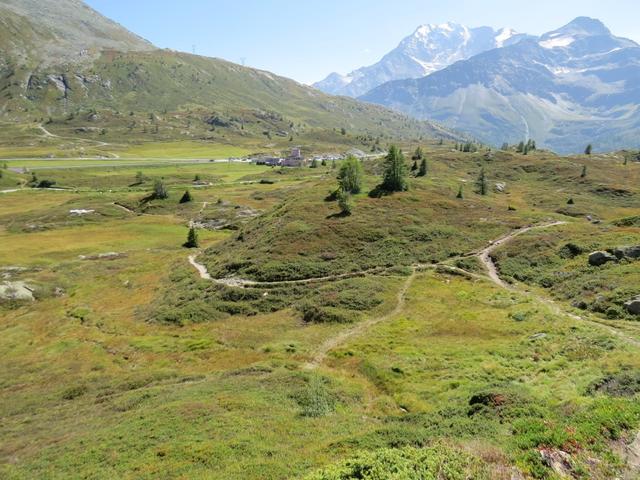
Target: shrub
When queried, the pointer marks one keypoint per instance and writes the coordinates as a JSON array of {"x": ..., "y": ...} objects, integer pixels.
[
  {"x": 312, "y": 313},
  {"x": 315, "y": 399},
  {"x": 434, "y": 463}
]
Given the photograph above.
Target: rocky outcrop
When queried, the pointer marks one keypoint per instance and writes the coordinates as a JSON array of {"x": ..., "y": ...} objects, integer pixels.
[
  {"x": 560, "y": 462},
  {"x": 597, "y": 259},
  {"x": 633, "y": 306},
  {"x": 632, "y": 252},
  {"x": 16, "y": 291}
]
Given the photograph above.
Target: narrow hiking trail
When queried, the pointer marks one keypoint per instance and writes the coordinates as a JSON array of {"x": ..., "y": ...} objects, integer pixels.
[
  {"x": 358, "y": 329},
  {"x": 632, "y": 450},
  {"x": 485, "y": 257},
  {"x": 202, "y": 270},
  {"x": 47, "y": 134}
]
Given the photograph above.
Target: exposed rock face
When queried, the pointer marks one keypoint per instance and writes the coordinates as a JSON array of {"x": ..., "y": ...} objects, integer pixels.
[
  {"x": 16, "y": 291},
  {"x": 559, "y": 461},
  {"x": 633, "y": 306},
  {"x": 627, "y": 252},
  {"x": 597, "y": 259}
]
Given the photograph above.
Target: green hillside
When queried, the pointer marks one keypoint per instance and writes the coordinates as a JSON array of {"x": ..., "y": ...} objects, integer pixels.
[{"x": 110, "y": 86}]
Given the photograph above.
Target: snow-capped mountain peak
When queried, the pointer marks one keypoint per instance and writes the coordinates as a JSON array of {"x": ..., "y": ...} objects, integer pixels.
[
  {"x": 431, "y": 47},
  {"x": 567, "y": 88},
  {"x": 504, "y": 35}
]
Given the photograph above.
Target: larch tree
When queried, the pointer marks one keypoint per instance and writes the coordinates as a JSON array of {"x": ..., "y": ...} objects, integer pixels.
[
  {"x": 350, "y": 175},
  {"x": 394, "y": 178}
]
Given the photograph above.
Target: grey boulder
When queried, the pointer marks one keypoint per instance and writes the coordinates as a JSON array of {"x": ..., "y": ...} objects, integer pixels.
[
  {"x": 597, "y": 259},
  {"x": 633, "y": 306},
  {"x": 627, "y": 252}
]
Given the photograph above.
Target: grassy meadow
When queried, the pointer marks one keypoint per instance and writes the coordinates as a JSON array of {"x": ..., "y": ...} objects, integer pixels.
[{"x": 129, "y": 365}]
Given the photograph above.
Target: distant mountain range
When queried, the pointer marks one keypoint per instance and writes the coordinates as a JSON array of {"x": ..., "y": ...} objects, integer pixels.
[
  {"x": 572, "y": 86},
  {"x": 576, "y": 85},
  {"x": 60, "y": 59},
  {"x": 429, "y": 49}
]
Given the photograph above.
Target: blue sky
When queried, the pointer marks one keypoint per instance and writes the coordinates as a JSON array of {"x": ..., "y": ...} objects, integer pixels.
[{"x": 308, "y": 39}]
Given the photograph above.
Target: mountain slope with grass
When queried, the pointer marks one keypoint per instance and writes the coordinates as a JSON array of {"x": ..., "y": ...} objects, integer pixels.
[{"x": 97, "y": 76}]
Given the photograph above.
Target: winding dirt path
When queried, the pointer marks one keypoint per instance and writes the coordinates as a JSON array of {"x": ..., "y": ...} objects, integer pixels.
[
  {"x": 358, "y": 329},
  {"x": 202, "y": 270},
  {"x": 485, "y": 255},
  {"x": 494, "y": 276}
]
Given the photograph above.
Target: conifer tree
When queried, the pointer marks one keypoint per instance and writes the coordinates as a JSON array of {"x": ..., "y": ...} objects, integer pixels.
[
  {"x": 481, "y": 184},
  {"x": 159, "y": 190},
  {"x": 350, "y": 175},
  {"x": 186, "y": 198},
  {"x": 422, "y": 172},
  {"x": 394, "y": 178},
  {"x": 414, "y": 166},
  {"x": 460, "y": 193},
  {"x": 584, "y": 171},
  {"x": 344, "y": 202},
  {"x": 588, "y": 150},
  {"x": 418, "y": 155},
  {"x": 192, "y": 239},
  {"x": 520, "y": 147}
]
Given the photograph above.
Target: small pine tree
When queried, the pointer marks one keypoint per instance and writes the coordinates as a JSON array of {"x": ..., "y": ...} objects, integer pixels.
[
  {"x": 192, "y": 239},
  {"x": 196, "y": 178},
  {"x": 159, "y": 190},
  {"x": 34, "y": 179},
  {"x": 422, "y": 171},
  {"x": 418, "y": 155},
  {"x": 343, "y": 131},
  {"x": 525, "y": 150},
  {"x": 333, "y": 165},
  {"x": 186, "y": 198},
  {"x": 481, "y": 183},
  {"x": 570, "y": 201},
  {"x": 414, "y": 166},
  {"x": 460, "y": 192},
  {"x": 344, "y": 202},
  {"x": 520, "y": 147},
  {"x": 139, "y": 178},
  {"x": 323, "y": 162},
  {"x": 314, "y": 163},
  {"x": 584, "y": 171},
  {"x": 441, "y": 141},
  {"x": 588, "y": 150},
  {"x": 505, "y": 147}
]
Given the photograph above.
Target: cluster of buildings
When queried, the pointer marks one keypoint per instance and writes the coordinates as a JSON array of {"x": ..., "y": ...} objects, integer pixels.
[{"x": 296, "y": 159}]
